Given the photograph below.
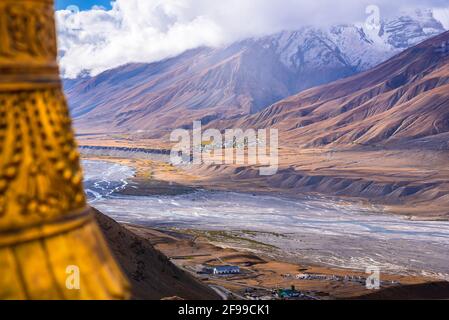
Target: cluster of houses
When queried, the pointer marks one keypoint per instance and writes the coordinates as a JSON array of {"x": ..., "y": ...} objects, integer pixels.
[
  {"x": 282, "y": 294},
  {"x": 346, "y": 278},
  {"x": 357, "y": 279},
  {"x": 258, "y": 294}
]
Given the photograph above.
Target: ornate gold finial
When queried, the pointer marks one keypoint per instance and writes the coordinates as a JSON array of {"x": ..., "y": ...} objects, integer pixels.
[{"x": 50, "y": 246}]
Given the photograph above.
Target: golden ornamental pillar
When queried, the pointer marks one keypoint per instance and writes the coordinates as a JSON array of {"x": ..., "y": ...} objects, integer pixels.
[{"x": 50, "y": 245}]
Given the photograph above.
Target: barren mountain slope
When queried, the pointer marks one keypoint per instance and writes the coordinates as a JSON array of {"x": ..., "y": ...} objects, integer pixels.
[
  {"x": 403, "y": 99},
  {"x": 200, "y": 84},
  {"x": 151, "y": 274}
]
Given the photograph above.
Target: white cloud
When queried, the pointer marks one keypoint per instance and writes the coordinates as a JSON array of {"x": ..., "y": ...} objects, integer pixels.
[
  {"x": 151, "y": 30},
  {"x": 442, "y": 14}
]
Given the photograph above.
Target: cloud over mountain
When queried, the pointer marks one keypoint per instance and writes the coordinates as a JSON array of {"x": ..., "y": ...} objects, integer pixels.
[{"x": 151, "y": 30}]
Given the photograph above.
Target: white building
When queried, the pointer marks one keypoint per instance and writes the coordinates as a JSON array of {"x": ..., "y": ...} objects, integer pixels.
[{"x": 226, "y": 270}]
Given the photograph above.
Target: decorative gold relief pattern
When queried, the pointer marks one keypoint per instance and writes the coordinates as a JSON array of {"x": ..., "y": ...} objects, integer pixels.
[
  {"x": 45, "y": 224},
  {"x": 40, "y": 175},
  {"x": 28, "y": 45},
  {"x": 25, "y": 30}
]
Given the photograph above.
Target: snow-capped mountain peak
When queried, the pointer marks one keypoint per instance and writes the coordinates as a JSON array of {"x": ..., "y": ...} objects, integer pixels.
[{"x": 359, "y": 46}]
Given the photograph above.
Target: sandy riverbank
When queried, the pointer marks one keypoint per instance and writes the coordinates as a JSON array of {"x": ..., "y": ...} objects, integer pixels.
[
  {"x": 404, "y": 182},
  {"x": 157, "y": 178}
]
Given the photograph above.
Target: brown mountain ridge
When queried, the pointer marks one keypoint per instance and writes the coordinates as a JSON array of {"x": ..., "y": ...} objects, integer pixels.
[{"x": 402, "y": 100}]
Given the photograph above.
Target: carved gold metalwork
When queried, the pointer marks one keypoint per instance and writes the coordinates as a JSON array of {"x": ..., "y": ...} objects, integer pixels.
[{"x": 45, "y": 225}]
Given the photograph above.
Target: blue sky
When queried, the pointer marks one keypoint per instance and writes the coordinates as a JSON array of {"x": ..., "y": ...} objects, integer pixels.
[{"x": 82, "y": 4}]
